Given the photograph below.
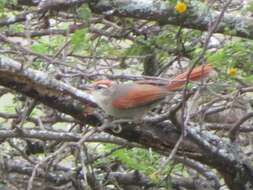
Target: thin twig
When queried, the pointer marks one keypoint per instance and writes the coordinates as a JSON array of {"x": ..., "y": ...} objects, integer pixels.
[{"x": 235, "y": 129}]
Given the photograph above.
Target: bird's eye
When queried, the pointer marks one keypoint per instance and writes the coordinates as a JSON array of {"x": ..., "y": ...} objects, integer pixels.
[{"x": 101, "y": 86}]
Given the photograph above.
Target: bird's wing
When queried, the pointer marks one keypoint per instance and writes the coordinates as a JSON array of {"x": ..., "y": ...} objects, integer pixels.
[
  {"x": 139, "y": 95},
  {"x": 143, "y": 94}
]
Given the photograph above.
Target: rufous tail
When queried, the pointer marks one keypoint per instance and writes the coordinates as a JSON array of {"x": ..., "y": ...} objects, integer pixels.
[{"x": 196, "y": 74}]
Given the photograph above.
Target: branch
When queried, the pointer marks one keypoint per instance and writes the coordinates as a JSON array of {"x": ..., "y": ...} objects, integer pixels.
[
  {"x": 42, "y": 87},
  {"x": 164, "y": 12},
  {"x": 12, "y": 20},
  {"x": 236, "y": 128},
  {"x": 135, "y": 178},
  {"x": 196, "y": 17},
  {"x": 11, "y": 166},
  {"x": 59, "y": 4},
  {"x": 65, "y": 175},
  {"x": 62, "y": 136}
]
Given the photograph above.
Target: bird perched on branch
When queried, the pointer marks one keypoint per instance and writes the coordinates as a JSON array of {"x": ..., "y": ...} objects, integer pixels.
[{"x": 132, "y": 100}]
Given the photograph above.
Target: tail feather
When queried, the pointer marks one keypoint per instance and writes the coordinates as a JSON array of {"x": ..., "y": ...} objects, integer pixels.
[{"x": 197, "y": 73}]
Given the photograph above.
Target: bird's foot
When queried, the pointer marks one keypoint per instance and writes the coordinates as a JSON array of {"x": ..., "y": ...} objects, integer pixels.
[
  {"x": 137, "y": 122},
  {"x": 117, "y": 124},
  {"x": 114, "y": 126},
  {"x": 119, "y": 121}
]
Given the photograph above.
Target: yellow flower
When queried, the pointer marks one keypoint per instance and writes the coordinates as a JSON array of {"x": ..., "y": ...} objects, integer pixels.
[
  {"x": 155, "y": 176},
  {"x": 232, "y": 71},
  {"x": 181, "y": 7}
]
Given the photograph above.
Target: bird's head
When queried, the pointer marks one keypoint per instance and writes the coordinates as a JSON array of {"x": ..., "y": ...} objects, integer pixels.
[{"x": 101, "y": 88}]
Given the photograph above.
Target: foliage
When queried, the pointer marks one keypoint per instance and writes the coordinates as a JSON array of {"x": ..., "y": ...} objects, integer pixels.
[
  {"x": 236, "y": 54},
  {"x": 4, "y": 3},
  {"x": 137, "y": 159}
]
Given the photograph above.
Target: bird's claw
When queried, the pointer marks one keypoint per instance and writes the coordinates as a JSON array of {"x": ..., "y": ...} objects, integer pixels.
[{"x": 116, "y": 129}]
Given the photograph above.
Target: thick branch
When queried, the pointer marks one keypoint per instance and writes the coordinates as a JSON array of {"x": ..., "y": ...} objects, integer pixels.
[
  {"x": 164, "y": 13},
  {"x": 44, "y": 88},
  {"x": 60, "y": 136},
  {"x": 10, "y": 166}
]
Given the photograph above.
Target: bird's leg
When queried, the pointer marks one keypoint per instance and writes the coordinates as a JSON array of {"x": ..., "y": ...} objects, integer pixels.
[
  {"x": 105, "y": 125},
  {"x": 114, "y": 125},
  {"x": 118, "y": 121},
  {"x": 117, "y": 124},
  {"x": 138, "y": 122}
]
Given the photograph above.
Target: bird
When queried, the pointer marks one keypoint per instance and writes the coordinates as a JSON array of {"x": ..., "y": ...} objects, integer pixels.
[{"x": 132, "y": 100}]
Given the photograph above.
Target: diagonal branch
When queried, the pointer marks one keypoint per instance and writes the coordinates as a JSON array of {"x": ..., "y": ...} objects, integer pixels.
[{"x": 43, "y": 87}]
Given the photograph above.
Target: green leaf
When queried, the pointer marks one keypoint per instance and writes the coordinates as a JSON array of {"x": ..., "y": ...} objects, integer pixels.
[
  {"x": 4, "y": 3},
  {"x": 85, "y": 12},
  {"x": 137, "y": 159},
  {"x": 80, "y": 39},
  {"x": 40, "y": 48},
  {"x": 249, "y": 6}
]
